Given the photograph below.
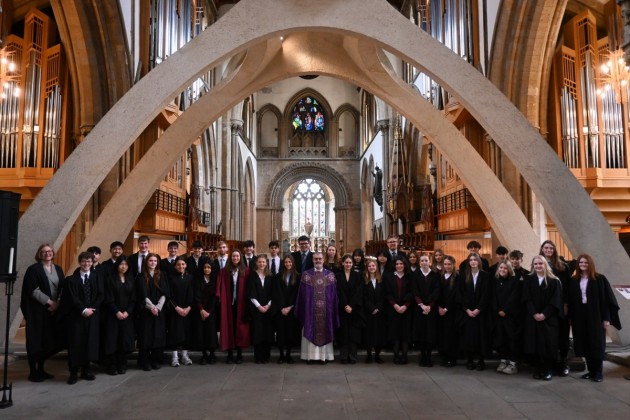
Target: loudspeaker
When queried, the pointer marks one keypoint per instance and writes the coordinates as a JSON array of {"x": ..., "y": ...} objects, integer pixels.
[{"x": 9, "y": 214}]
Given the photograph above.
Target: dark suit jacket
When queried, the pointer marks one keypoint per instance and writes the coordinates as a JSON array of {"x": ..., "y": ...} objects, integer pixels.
[
  {"x": 133, "y": 264},
  {"x": 297, "y": 256},
  {"x": 195, "y": 269}
]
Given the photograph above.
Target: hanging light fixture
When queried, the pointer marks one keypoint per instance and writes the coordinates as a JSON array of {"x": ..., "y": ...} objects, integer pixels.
[
  {"x": 8, "y": 68},
  {"x": 615, "y": 75}
]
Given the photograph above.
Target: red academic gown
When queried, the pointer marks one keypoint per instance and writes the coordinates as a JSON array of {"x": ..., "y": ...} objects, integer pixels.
[{"x": 234, "y": 332}]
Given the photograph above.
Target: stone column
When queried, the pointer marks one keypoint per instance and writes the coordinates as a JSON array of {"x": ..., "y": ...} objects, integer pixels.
[
  {"x": 625, "y": 15},
  {"x": 236, "y": 197}
]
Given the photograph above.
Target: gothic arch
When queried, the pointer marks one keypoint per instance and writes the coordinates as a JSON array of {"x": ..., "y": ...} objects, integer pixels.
[
  {"x": 329, "y": 120},
  {"x": 249, "y": 200},
  {"x": 314, "y": 170},
  {"x": 347, "y": 108},
  {"x": 271, "y": 108}
]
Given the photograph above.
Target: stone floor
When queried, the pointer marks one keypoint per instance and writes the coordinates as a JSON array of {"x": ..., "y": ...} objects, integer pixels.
[{"x": 333, "y": 391}]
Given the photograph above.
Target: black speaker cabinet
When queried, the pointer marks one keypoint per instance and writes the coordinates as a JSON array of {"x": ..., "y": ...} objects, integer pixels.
[{"x": 9, "y": 212}]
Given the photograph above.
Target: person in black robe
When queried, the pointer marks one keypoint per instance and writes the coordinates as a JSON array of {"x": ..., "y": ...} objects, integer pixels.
[
  {"x": 167, "y": 264},
  {"x": 358, "y": 261},
  {"x": 194, "y": 263},
  {"x": 331, "y": 260},
  {"x": 542, "y": 297},
  {"x": 561, "y": 270},
  {"x": 382, "y": 262},
  {"x": 151, "y": 294},
  {"x": 473, "y": 247},
  {"x": 116, "y": 249},
  {"x": 448, "y": 311},
  {"x": 179, "y": 318},
  {"x": 374, "y": 308},
  {"x": 516, "y": 260},
  {"x": 437, "y": 262},
  {"x": 137, "y": 260},
  {"x": 119, "y": 332},
  {"x": 506, "y": 308},
  {"x": 206, "y": 303},
  {"x": 592, "y": 309},
  {"x": 474, "y": 300},
  {"x": 86, "y": 297},
  {"x": 399, "y": 296},
  {"x": 261, "y": 287},
  {"x": 351, "y": 321},
  {"x": 288, "y": 330},
  {"x": 39, "y": 303},
  {"x": 304, "y": 257},
  {"x": 426, "y": 293}
]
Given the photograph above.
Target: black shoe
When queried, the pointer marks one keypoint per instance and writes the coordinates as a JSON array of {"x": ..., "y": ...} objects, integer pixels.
[
  {"x": 343, "y": 361},
  {"x": 239, "y": 359},
  {"x": 112, "y": 372},
  {"x": 230, "y": 359},
  {"x": 587, "y": 375},
  {"x": 537, "y": 375},
  {"x": 378, "y": 359},
  {"x": 471, "y": 366},
  {"x": 203, "y": 361},
  {"x": 122, "y": 371},
  {"x": 396, "y": 359},
  {"x": 546, "y": 376},
  {"x": 155, "y": 366},
  {"x": 321, "y": 362},
  {"x": 35, "y": 377},
  {"x": 352, "y": 361},
  {"x": 448, "y": 364},
  {"x": 481, "y": 366},
  {"x": 289, "y": 360},
  {"x": 564, "y": 370},
  {"x": 280, "y": 360},
  {"x": 368, "y": 358},
  {"x": 598, "y": 377},
  {"x": 212, "y": 359},
  {"x": 72, "y": 379},
  {"x": 403, "y": 360},
  {"x": 87, "y": 375},
  {"x": 146, "y": 367},
  {"x": 428, "y": 363}
]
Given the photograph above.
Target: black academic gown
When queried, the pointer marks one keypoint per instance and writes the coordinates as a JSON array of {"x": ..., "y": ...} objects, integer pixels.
[
  {"x": 426, "y": 290},
  {"x": 83, "y": 333},
  {"x": 43, "y": 335},
  {"x": 448, "y": 334},
  {"x": 179, "y": 328},
  {"x": 398, "y": 325},
  {"x": 288, "y": 330},
  {"x": 540, "y": 338},
  {"x": 474, "y": 332},
  {"x": 506, "y": 298},
  {"x": 350, "y": 292},
  {"x": 206, "y": 299},
  {"x": 119, "y": 335},
  {"x": 195, "y": 268},
  {"x": 261, "y": 323},
  {"x": 308, "y": 263},
  {"x": 151, "y": 329},
  {"x": 589, "y": 335},
  {"x": 375, "y": 333}
]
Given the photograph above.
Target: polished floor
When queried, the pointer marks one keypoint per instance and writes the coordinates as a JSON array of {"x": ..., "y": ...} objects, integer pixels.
[{"x": 301, "y": 391}]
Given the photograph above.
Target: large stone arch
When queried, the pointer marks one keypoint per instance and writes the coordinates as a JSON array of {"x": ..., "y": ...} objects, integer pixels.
[{"x": 250, "y": 22}]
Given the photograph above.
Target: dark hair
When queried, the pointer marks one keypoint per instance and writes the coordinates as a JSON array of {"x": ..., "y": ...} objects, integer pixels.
[
  {"x": 172, "y": 243},
  {"x": 404, "y": 261},
  {"x": 501, "y": 250},
  {"x": 145, "y": 269},
  {"x": 94, "y": 250},
  {"x": 473, "y": 244},
  {"x": 555, "y": 262},
  {"x": 38, "y": 256},
  {"x": 293, "y": 272},
  {"x": 468, "y": 273},
  {"x": 115, "y": 244},
  {"x": 144, "y": 238},
  {"x": 377, "y": 274},
  {"x": 197, "y": 244},
  {"x": 85, "y": 255},
  {"x": 249, "y": 242},
  {"x": 516, "y": 254},
  {"x": 119, "y": 261},
  {"x": 304, "y": 238},
  {"x": 274, "y": 243},
  {"x": 229, "y": 265}
]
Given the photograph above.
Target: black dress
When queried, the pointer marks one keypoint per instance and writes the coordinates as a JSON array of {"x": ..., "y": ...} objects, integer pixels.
[
  {"x": 261, "y": 323},
  {"x": 119, "y": 335},
  {"x": 426, "y": 290},
  {"x": 507, "y": 329},
  {"x": 179, "y": 330},
  {"x": 288, "y": 330},
  {"x": 375, "y": 334}
]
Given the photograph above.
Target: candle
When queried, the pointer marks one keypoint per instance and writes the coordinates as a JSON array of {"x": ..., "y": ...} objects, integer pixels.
[
  {"x": 277, "y": 237},
  {"x": 341, "y": 234},
  {"x": 11, "y": 260}
]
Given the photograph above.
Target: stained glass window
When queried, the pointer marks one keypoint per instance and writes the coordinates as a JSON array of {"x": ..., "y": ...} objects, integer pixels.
[
  {"x": 308, "y": 115},
  {"x": 308, "y": 206}
]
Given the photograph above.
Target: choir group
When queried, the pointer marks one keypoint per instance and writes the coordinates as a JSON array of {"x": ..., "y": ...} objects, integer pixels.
[{"x": 393, "y": 300}]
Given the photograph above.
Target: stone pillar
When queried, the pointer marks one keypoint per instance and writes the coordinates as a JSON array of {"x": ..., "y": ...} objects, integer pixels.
[
  {"x": 625, "y": 15},
  {"x": 236, "y": 197}
]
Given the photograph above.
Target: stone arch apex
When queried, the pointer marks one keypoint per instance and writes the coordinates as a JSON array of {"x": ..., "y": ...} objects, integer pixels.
[{"x": 314, "y": 170}]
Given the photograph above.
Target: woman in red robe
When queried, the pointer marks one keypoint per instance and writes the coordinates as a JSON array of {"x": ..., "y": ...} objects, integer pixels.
[{"x": 232, "y": 294}]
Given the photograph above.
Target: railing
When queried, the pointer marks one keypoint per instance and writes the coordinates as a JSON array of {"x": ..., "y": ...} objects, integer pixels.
[
  {"x": 456, "y": 201},
  {"x": 168, "y": 202}
]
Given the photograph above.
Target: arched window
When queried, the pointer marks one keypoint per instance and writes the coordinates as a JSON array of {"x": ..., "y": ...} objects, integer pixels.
[
  {"x": 308, "y": 209},
  {"x": 308, "y": 115},
  {"x": 307, "y": 128}
]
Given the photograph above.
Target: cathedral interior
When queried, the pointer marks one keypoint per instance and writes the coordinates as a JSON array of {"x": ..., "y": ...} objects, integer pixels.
[{"x": 441, "y": 121}]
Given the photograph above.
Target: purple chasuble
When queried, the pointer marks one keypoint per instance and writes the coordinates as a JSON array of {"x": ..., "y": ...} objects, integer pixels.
[{"x": 316, "y": 306}]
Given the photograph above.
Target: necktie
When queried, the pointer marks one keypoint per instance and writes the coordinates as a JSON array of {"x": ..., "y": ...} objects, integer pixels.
[
  {"x": 222, "y": 260},
  {"x": 273, "y": 266},
  {"x": 141, "y": 262},
  {"x": 87, "y": 290},
  {"x": 393, "y": 254},
  {"x": 303, "y": 261}
]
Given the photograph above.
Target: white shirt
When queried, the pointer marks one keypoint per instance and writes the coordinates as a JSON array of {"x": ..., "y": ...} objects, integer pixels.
[
  {"x": 540, "y": 280},
  {"x": 583, "y": 286}
]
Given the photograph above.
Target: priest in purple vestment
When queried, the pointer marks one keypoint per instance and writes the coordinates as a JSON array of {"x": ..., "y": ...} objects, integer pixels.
[{"x": 316, "y": 309}]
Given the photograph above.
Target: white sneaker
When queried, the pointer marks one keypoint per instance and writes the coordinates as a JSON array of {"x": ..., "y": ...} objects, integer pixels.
[
  {"x": 510, "y": 369},
  {"x": 186, "y": 360},
  {"x": 175, "y": 362},
  {"x": 502, "y": 366}
]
